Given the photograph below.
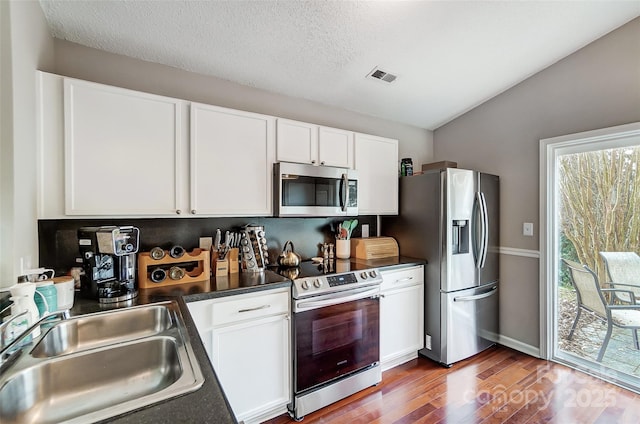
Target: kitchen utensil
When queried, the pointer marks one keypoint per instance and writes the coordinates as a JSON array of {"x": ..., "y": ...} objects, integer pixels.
[
  {"x": 353, "y": 224},
  {"x": 218, "y": 239},
  {"x": 227, "y": 239},
  {"x": 288, "y": 257}
]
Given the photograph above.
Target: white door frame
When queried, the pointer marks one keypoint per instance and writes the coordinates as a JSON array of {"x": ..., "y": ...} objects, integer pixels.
[{"x": 550, "y": 150}]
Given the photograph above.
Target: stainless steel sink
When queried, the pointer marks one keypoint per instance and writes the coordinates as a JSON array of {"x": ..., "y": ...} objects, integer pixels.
[
  {"x": 102, "y": 329},
  {"x": 75, "y": 375}
]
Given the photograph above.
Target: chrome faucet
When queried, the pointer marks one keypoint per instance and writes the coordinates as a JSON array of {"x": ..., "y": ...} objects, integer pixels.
[
  {"x": 7, "y": 357},
  {"x": 5, "y": 325}
]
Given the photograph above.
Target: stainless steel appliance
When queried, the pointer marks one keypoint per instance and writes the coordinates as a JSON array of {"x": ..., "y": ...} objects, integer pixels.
[
  {"x": 109, "y": 262},
  {"x": 450, "y": 218},
  {"x": 307, "y": 190},
  {"x": 336, "y": 333}
]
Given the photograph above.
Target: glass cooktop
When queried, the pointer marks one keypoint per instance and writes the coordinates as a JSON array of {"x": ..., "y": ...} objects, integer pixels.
[{"x": 318, "y": 269}]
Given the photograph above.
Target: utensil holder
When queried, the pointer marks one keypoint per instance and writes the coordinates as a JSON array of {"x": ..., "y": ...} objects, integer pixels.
[
  {"x": 201, "y": 272},
  {"x": 228, "y": 265},
  {"x": 343, "y": 249}
]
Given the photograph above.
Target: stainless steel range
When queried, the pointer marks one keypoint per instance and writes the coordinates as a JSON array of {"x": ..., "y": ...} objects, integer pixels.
[{"x": 336, "y": 333}]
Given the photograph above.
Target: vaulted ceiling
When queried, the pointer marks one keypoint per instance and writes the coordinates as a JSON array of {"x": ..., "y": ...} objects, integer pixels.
[{"x": 448, "y": 56}]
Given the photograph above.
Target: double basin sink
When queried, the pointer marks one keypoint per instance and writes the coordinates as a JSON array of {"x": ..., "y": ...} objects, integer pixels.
[{"x": 97, "y": 366}]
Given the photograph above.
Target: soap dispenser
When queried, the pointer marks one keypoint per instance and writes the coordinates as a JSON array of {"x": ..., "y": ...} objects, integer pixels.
[{"x": 23, "y": 299}]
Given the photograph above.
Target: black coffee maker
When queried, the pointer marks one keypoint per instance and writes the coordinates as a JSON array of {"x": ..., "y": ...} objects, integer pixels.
[{"x": 109, "y": 261}]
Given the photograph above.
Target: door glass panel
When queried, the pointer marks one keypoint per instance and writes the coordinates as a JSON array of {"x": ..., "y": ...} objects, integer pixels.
[{"x": 597, "y": 322}]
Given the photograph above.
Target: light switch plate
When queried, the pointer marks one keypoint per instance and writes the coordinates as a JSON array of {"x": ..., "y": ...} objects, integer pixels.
[
  {"x": 365, "y": 230},
  {"x": 527, "y": 229}
]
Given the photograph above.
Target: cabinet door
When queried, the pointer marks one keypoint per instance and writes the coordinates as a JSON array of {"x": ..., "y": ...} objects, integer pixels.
[
  {"x": 232, "y": 154},
  {"x": 401, "y": 317},
  {"x": 297, "y": 142},
  {"x": 376, "y": 160},
  {"x": 252, "y": 362},
  {"x": 335, "y": 147},
  {"x": 122, "y": 151}
]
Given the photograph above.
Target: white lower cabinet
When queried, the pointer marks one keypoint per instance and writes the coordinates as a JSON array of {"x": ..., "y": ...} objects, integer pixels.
[
  {"x": 247, "y": 338},
  {"x": 401, "y": 315}
]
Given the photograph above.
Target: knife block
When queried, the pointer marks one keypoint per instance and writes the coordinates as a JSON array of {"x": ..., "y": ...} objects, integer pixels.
[
  {"x": 201, "y": 272},
  {"x": 228, "y": 265}
]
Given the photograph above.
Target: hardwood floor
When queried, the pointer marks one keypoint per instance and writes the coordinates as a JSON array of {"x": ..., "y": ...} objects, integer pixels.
[{"x": 497, "y": 386}]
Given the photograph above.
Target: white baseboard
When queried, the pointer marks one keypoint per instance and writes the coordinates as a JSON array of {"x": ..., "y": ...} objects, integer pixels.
[
  {"x": 519, "y": 346},
  {"x": 394, "y": 362}
]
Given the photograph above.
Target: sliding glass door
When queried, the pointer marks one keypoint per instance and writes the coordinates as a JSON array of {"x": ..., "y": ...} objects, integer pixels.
[{"x": 590, "y": 197}]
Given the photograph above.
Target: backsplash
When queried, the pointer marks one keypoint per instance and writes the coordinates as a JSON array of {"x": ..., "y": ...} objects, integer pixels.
[{"x": 58, "y": 241}]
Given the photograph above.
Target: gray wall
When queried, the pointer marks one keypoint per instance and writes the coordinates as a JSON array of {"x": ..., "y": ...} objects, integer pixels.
[
  {"x": 81, "y": 62},
  {"x": 26, "y": 46},
  {"x": 596, "y": 87}
]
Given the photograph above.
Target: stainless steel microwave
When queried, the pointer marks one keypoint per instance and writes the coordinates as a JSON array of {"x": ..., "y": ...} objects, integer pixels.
[{"x": 307, "y": 190}]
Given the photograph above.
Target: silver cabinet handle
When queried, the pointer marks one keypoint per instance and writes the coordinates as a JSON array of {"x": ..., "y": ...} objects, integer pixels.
[
  {"x": 313, "y": 161},
  {"x": 403, "y": 279},
  {"x": 257, "y": 308},
  {"x": 178, "y": 211},
  {"x": 322, "y": 163},
  {"x": 193, "y": 211}
]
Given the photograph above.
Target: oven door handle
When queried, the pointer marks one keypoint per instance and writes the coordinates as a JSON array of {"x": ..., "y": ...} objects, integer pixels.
[{"x": 337, "y": 299}]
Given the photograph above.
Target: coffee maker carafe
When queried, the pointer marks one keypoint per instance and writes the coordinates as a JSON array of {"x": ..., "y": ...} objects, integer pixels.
[{"x": 109, "y": 261}]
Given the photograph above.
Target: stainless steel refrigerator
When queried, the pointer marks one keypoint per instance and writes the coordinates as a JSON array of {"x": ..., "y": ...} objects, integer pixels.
[{"x": 450, "y": 218}]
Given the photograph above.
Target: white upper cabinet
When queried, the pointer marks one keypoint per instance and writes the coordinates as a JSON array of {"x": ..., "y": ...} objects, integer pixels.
[
  {"x": 302, "y": 142},
  {"x": 376, "y": 160},
  {"x": 297, "y": 142},
  {"x": 112, "y": 152},
  {"x": 335, "y": 147},
  {"x": 122, "y": 151},
  {"x": 232, "y": 153}
]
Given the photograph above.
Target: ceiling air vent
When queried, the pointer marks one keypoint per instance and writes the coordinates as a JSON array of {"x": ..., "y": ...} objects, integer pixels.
[{"x": 381, "y": 75}]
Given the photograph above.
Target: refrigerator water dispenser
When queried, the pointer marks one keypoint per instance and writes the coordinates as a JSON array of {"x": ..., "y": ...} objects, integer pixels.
[{"x": 460, "y": 236}]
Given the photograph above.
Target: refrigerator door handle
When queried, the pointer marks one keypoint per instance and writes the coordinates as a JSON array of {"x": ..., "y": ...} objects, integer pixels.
[
  {"x": 485, "y": 230},
  {"x": 478, "y": 231},
  {"x": 477, "y": 296}
]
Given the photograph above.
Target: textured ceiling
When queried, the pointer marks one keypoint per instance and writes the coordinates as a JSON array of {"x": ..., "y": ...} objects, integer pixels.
[{"x": 449, "y": 56}]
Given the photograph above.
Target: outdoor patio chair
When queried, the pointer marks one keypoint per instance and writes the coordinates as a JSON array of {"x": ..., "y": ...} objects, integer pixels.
[
  {"x": 590, "y": 297},
  {"x": 623, "y": 269}
]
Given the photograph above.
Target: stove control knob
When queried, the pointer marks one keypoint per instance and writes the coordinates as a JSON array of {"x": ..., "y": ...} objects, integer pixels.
[
  {"x": 305, "y": 285},
  {"x": 317, "y": 284},
  {"x": 363, "y": 275},
  {"x": 372, "y": 274}
]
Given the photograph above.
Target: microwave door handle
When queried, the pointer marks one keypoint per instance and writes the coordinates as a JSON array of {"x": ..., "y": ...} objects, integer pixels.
[{"x": 344, "y": 185}]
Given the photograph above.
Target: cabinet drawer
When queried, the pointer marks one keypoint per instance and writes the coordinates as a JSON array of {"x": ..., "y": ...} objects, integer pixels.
[
  {"x": 402, "y": 277},
  {"x": 252, "y": 307}
]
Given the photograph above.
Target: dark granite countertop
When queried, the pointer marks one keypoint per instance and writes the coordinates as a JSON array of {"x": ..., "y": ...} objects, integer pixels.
[{"x": 207, "y": 404}]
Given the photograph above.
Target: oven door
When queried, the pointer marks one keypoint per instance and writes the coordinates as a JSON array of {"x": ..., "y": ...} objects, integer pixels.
[
  {"x": 305, "y": 190},
  {"x": 332, "y": 341}
]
